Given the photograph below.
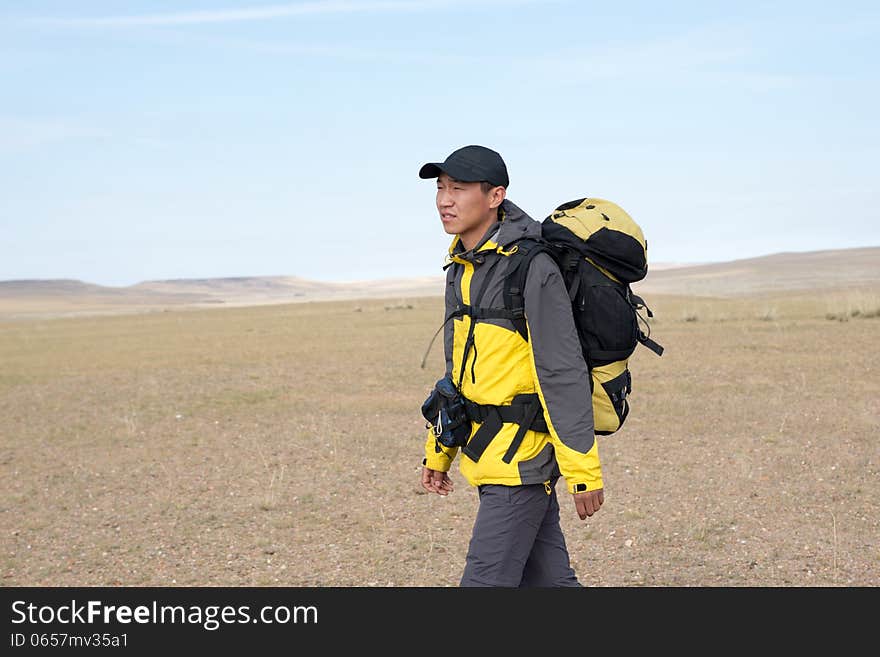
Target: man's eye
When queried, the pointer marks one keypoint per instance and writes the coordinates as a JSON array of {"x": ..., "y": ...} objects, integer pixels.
[{"x": 457, "y": 187}]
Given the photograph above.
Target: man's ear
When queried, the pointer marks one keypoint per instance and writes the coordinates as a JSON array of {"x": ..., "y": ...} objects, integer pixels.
[{"x": 496, "y": 196}]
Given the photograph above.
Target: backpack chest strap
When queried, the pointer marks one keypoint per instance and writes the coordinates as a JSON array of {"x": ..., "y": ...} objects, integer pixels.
[{"x": 478, "y": 312}]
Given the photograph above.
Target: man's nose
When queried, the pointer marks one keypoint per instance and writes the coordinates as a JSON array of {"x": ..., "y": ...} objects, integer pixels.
[{"x": 444, "y": 199}]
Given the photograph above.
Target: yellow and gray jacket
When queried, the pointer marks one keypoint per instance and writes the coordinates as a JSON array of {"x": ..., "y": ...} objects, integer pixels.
[{"x": 502, "y": 368}]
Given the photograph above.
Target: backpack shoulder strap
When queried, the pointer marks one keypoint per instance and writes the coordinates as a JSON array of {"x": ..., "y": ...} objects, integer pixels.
[{"x": 515, "y": 281}]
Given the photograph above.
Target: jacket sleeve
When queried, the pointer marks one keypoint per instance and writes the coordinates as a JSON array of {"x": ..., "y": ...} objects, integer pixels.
[
  {"x": 561, "y": 375},
  {"x": 437, "y": 456}
]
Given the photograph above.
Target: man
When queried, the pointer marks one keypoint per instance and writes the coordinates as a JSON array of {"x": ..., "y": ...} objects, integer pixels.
[{"x": 529, "y": 414}]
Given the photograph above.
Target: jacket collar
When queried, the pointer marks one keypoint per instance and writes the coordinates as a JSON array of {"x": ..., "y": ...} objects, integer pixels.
[{"x": 514, "y": 225}]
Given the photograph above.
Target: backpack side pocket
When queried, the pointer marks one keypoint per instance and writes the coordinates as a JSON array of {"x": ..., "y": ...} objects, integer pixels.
[
  {"x": 612, "y": 384},
  {"x": 606, "y": 319}
]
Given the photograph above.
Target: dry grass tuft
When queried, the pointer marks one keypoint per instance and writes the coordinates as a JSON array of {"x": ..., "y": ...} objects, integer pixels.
[{"x": 858, "y": 305}]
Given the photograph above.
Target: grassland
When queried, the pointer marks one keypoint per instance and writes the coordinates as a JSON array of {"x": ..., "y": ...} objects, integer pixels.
[{"x": 280, "y": 445}]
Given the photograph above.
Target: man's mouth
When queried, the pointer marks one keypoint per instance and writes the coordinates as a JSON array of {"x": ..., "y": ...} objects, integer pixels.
[{"x": 446, "y": 216}]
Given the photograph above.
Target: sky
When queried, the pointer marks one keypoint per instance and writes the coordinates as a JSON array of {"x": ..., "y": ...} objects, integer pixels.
[{"x": 213, "y": 138}]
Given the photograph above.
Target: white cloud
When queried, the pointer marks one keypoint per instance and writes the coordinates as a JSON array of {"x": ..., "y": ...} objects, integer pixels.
[{"x": 270, "y": 12}]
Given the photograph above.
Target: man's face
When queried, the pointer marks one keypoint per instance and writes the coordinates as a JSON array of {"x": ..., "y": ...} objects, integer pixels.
[{"x": 465, "y": 209}]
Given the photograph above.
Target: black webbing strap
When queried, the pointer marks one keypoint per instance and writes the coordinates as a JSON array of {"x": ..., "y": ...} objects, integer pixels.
[
  {"x": 523, "y": 410},
  {"x": 512, "y": 412},
  {"x": 650, "y": 344},
  {"x": 644, "y": 338},
  {"x": 515, "y": 282},
  {"x": 640, "y": 303},
  {"x": 484, "y": 435},
  {"x": 486, "y": 313},
  {"x": 531, "y": 412}
]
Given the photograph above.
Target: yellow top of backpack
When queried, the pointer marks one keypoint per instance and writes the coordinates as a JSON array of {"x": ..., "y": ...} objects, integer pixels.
[
  {"x": 592, "y": 214},
  {"x": 603, "y": 232}
]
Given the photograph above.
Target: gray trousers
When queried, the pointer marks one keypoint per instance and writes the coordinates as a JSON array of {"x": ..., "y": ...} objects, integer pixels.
[{"x": 517, "y": 540}]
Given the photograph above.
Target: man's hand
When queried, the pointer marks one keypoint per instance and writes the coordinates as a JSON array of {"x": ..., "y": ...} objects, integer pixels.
[
  {"x": 435, "y": 481},
  {"x": 587, "y": 503}
]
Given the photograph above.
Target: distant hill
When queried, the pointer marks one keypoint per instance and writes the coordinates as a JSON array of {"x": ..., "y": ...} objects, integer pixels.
[
  {"x": 814, "y": 270},
  {"x": 811, "y": 270},
  {"x": 55, "y": 287},
  {"x": 286, "y": 288},
  {"x": 66, "y": 297}
]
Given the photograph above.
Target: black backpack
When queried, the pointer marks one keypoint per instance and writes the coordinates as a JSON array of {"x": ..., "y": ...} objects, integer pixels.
[{"x": 600, "y": 250}]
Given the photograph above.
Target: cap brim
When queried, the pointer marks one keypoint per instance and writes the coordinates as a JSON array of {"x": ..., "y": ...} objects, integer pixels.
[
  {"x": 434, "y": 169},
  {"x": 430, "y": 170}
]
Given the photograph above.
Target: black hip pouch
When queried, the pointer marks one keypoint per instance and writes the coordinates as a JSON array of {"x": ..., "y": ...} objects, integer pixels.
[{"x": 445, "y": 412}]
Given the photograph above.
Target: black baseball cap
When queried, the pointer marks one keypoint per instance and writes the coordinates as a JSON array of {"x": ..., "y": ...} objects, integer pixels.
[{"x": 470, "y": 164}]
